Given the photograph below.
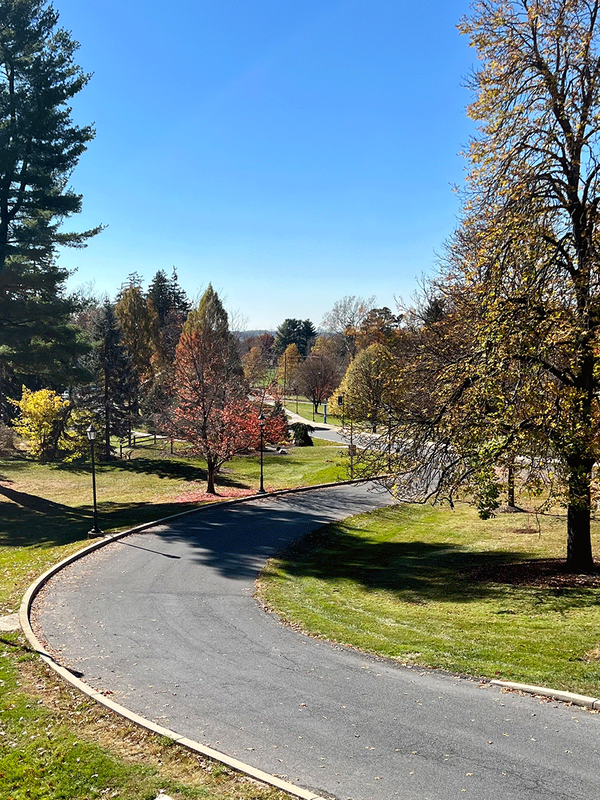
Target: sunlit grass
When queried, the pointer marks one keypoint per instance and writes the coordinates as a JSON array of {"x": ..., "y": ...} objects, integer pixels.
[
  {"x": 305, "y": 409},
  {"x": 403, "y": 583}
]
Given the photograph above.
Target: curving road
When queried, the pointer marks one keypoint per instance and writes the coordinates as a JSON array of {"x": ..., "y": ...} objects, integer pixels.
[{"x": 165, "y": 619}]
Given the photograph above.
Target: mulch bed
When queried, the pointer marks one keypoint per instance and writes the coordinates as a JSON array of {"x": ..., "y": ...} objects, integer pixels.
[
  {"x": 201, "y": 496},
  {"x": 545, "y": 573}
]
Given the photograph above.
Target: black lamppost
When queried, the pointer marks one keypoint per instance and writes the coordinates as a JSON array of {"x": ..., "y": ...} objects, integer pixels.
[
  {"x": 340, "y": 402},
  {"x": 261, "y": 425},
  {"x": 91, "y": 434},
  {"x": 389, "y": 447},
  {"x": 352, "y": 448}
]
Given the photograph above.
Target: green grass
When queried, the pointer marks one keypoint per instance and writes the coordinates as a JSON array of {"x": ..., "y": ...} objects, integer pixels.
[
  {"x": 406, "y": 583},
  {"x": 303, "y": 466},
  {"x": 305, "y": 409},
  {"x": 54, "y": 744},
  {"x": 58, "y": 745}
]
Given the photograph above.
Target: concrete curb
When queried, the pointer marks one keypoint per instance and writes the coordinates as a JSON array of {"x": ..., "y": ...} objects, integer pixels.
[
  {"x": 553, "y": 694},
  {"x": 65, "y": 674}
]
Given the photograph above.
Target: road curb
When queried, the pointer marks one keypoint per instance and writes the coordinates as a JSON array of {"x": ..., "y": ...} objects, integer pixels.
[
  {"x": 66, "y": 675},
  {"x": 553, "y": 694}
]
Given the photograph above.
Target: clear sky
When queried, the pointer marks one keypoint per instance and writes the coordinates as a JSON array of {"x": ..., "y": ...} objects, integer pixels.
[{"x": 288, "y": 153}]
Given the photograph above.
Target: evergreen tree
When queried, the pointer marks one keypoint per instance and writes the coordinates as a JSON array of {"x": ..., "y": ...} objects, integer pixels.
[
  {"x": 294, "y": 331},
  {"x": 39, "y": 147},
  {"x": 172, "y": 307},
  {"x": 115, "y": 395}
]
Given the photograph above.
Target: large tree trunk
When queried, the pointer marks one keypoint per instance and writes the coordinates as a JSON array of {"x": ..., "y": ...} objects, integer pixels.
[
  {"x": 211, "y": 471},
  {"x": 579, "y": 545}
]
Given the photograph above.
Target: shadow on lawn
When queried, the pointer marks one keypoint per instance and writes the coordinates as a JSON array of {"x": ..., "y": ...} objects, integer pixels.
[
  {"x": 161, "y": 467},
  {"x": 33, "y": 521},
  {"x": 417, "y": 572}
]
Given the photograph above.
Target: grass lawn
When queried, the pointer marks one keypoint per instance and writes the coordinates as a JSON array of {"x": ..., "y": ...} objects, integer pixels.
[
  {"x": 305, "y": 409},
  {"x": 430, "y": 586},
  {"x": 55, "y": 744}
]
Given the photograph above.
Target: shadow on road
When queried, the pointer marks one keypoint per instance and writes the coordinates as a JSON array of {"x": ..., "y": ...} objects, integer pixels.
[{"x": 236, "y": 540}]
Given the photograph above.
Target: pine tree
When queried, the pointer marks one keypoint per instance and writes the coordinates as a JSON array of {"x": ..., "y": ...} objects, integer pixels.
[
  {"x": 172, "y": 307},
  {"x": 116, "y": 391},
  {"x": 294, "y": 331},
  {"x": 39, "y": 147}
]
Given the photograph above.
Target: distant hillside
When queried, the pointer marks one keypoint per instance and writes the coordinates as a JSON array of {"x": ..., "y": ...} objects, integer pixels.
[{"x": 249, "y": 334}]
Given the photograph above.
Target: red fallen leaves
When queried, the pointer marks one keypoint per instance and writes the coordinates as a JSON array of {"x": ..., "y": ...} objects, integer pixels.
[{"x": 200, "y": 496}]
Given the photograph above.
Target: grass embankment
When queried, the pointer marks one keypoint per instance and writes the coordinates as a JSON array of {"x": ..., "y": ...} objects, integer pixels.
[
  {"x": 305, "y": 409},
  {"x": 431, "y": 586},
  {"x": 55, "y": 744}
]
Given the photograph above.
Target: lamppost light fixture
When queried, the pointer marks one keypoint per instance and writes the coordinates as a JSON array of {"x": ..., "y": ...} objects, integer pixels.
[
  {"x": 261, "y": 419},
  {"x": 91, "y": 433}
]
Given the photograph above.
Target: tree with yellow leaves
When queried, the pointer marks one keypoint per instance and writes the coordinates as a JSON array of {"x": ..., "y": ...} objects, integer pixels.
[
  {"x": 512, "y": 366},
  {"x": 51, "y": 426}
]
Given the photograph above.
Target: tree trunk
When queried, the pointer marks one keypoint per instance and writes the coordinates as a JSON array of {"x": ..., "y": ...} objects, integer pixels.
[
  {"x": 579, "y": 544},
  {"x": 106, "y": 416},
  {"x": 210, "y": 477},
  {"x": 510, "y": 487}
]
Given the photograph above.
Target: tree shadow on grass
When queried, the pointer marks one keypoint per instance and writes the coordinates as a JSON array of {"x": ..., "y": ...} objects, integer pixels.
[
  {"x": 31, "y": 521},
  {"x": 161, "y": 467},
  {"x": 415, "y": 572}
]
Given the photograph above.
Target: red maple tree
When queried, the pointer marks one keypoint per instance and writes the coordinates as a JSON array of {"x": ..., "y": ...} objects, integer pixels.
[{"x": 213, "y": 412}]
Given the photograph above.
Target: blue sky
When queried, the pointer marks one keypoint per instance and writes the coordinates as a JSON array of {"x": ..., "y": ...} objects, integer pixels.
[{"x": 288, "y": 153}]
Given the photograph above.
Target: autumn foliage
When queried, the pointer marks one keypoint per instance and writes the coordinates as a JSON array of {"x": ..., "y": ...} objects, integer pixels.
[
  {"x": 213, "y": 412},
  {"x": 50, "y": 425}
]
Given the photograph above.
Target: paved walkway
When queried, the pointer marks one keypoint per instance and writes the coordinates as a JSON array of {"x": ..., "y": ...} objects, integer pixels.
[{"x": 166, "y": 622}]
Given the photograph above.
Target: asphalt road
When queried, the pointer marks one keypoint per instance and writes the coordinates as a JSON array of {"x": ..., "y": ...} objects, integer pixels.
[{"x": 165, "y": 620}]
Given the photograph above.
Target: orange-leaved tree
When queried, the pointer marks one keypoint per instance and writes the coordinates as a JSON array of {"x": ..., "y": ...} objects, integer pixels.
[{"x": 212, "y": 410}]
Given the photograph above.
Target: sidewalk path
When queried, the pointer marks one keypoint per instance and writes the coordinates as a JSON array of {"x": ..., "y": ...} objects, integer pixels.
[{"x": 166, "y": 622}]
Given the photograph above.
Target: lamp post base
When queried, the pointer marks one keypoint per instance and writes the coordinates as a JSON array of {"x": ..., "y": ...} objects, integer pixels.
[{"x": 94, "y": 533}]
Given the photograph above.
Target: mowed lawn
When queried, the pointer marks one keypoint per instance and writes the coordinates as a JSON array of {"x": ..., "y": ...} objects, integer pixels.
[{"x": 444, "y": 589}]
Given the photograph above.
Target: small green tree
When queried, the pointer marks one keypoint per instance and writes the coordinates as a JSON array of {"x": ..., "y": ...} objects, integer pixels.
[{"x": 301, "y": 434}]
